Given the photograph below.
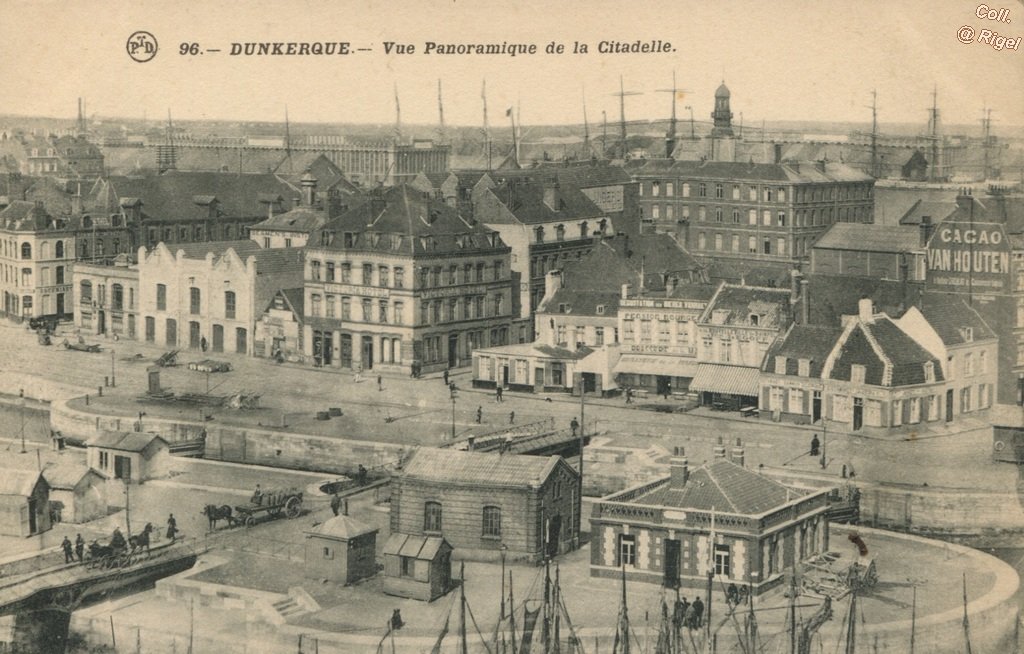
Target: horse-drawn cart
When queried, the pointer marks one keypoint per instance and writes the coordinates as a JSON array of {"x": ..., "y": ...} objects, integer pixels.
[{"x": 270, "y": 504}]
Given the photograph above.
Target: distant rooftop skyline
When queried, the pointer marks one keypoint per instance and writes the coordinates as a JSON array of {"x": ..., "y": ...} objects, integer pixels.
[{"x": 791, "y": 60}]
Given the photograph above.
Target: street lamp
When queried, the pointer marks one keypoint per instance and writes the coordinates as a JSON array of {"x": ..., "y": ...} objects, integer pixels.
[
  {"x": 21, "y": 413},
  {"x": 451, "y": 390}
]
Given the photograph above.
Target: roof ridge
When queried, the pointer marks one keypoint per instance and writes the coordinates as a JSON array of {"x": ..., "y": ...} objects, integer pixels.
[
  {"x": 721, "y": 490},
  {"x": 880, "y": 353}
]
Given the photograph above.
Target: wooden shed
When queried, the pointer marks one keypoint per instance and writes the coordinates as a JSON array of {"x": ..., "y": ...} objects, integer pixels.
[
  {"x": 129, "y": 455},
  {"x": 341, "y": 549},
  {"x": 417, "y": 567},
  {"x": 24, "y": 503},
  {"x": 77, "y": 492}
]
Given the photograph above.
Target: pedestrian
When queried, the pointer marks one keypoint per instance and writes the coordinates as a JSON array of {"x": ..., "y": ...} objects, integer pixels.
[
  {"x": 511, "y": 417},
  {"x": 172, "y": 528},
  {"x": 698, "y": 613},
  {"x": 380, "y": 383},
  {"x": 689, "y": 617},
  {"x": 336, "y": 503},
  {"x": 667, "y": 389},
  {"x": 575, "y": 425},
  {"x": 815, "y": 446},
  {"x": 79, "y": 547},
  {"x": 361, "y": 475},
  {"x": 358, "y": 376},
  {"x": 498, "y": 394},
  {"x": 69, "y": 552},
  {"x": 479, "y": 414},
  {"x": 445, "y": 376},
  {"x": 629, "y": 396},
  {"x": 202, "y": 343},
  {"x": 257, "y": 496}
]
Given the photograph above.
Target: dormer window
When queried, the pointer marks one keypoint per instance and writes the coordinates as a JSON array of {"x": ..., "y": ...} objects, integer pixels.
[
  {"x": 560, "y": 233},
  {"x": 754, "y": 319},
  {"x": 857, "y": 373},
  {"x": 804, "y": 367},
  {"x": 563, "y": 308},
  {"x": 967, "y": 333},
  {"x": 349, "y": 239},
  {"x": 780, "y": 365},
  {"x": 600, "y": 309},
  {"x": 929, "y": 372},
  {"x": 539, "y": 235}
]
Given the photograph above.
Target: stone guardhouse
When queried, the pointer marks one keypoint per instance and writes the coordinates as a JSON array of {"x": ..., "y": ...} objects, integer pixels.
[
  {"x": 721, "y": 520},
  {"x": 341, "y": 550}
]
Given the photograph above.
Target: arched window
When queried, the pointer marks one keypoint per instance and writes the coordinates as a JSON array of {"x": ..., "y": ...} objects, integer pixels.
[
  {"x": 492, "y": 522},
  {"x": 59, "y": 249},
  {"x": 583, "y": 229},
  {"x": 540, "y": 234},
  {"x": 85, "y": 291},
  {"x": 26, "y": 251},
  {"x": 560, "y": 233},
  {"x": 229, "y": 304},
  {"x": 432, "y": 516}
]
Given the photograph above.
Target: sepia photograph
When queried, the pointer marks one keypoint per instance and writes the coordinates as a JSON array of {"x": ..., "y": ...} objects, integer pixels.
[{"x": 511, "y": 327}]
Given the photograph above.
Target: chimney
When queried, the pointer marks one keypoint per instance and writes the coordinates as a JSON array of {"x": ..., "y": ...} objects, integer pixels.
[
  {"x": 551, "y": 196},
  {"x": 778, "y": 153},
  {"x": 626, "y": 290},
  {"x": 679, "y": 467},
  {"x": 926, "y": 229},
  {"x": 552, "y": 282},
  {"x": 670, "y": 285},
  {"x": 308, "y": 183},
  {"x": 738, "y": 453},
  {"x": 719, "y": 449},
  {"x": 865, "y": 309},
  {"x": 76, "y": 202},
  {"x": 805, "y": 306},
  {"x": 794, "y": 285},
  {"x": 964, "y": 199}
]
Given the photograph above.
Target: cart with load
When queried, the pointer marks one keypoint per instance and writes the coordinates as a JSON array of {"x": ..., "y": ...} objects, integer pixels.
[
  {"x": 270, "y": 504},
  {"x": 168, "y": 359}
]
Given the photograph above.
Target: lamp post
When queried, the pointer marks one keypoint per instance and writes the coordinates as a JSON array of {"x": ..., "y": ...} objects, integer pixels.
[
  {"x": 21, "y": 414},
  {"x": 113, "y": 383},
  {"x": 451, "y": 390}
]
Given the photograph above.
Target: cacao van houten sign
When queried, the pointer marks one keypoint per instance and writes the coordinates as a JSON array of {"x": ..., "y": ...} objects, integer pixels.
[{"x": 963, "y": 255}]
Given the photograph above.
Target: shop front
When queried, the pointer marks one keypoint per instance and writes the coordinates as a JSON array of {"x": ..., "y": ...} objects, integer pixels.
[{"x": 727, "y": 388}]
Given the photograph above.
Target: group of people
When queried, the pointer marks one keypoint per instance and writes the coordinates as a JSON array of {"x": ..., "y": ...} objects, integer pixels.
[
  {"x": 75, "y": 552},
  {"x": 688, "y": 615}
]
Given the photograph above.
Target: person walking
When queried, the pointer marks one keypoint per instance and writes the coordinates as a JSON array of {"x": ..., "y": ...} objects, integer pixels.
[
  {"x": 69, "y": 552},
  {"x": 336, "y": 503},
  {"x": 498, "y": 391},
  {"x": 629, "y": 396},
  {"x": 479, "y": 414},
  {"x": 172, "y": 528},
  {"x": 575, "y": 426},
  {"x": 698, "y": 613},
  {"x": 202, "y": 343},
  {"x": 79, "y": 547},
  {"x": 445, "y": 377},
  {"x": 380, "y": 383},
  {"x": 511, "y": 417},
  {"x": 815, "y": 446}
]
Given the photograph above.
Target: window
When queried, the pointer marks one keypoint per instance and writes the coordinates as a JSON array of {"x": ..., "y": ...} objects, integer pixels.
[
  {"x": 968, "y": 365},
  {"x": 796, "y": 401},
  {"x": 718, "y": 241},
  {"x": 399, "y": 310},
  {"x": 59, "y": 249},
  {"x": 702, "y": 190},
  {"x": 229, "y": 304},
  {"x": 492, "y": 522},
  {"x": 752, "y": 245},
  {"x": 722, "y": 560},
  {"x": 804, "y": 367},
  {"x": 719, "y": 191},
  {"x": 857, "y": 374},
  {"x": 329, "y": 302},
  {"x": 346, "y": 308},
  {"x": 929, "y": 372},
  {"x": 194, "y": 297},
  {"x": 655, "y": 188},
  {"x": 982, "y": 362},
  {"x": 752, "y": 217},
  {"x": 497, "y": 305},
  {"x": 266, "y": 241},
  {"x": 735, "y": 243},
  {"x": 539, "y": 235},
  {"x": 408, "y": 566},
  {"x": 702, "y": 241},
  {"x": 432, "y": 516},
  {"x": 780, "y": 246},
  {"x": 627, "y": 550},
  {"x": 330, "y": 271},
  {"x": 669, "y": 189},
  {"x": 346, "y": 273},
  {"x": 767, "y": 249},
  {"x": 656, "y": 212},
  {"x": 782, "y": 218},
  {"x": 287, "y": 242},
  {"x": 161, "y": 297},
  {"x": 85, "y": 292},
  {"x": 499, "y": 270},
  {"x": 686, "y": 189},
  {"x": 367, "y": 274},
  {"x": 315, "y": 304},
  {"x": 718, "y": 214},
  {"x": 702, "y": 213},
  {"x": 767, "y": 217},
  {"x": 599, "y": 336},
  {"x": 26, "y": 251},
  {"x": 400, "y": 277},
  {"x": 753, "y": 194},
  {"x": 736, "y": 192},
  {"x": 117, "y": 296},
  {"x": 367, "y": 305}
]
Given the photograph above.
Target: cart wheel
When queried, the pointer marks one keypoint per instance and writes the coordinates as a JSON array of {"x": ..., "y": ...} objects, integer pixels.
[
  {"x": 250, "y": 521},
  {"x": 292, "y": 507}
]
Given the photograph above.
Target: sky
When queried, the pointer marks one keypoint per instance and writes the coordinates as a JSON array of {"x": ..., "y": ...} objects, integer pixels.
[{"x": 783, "y": 60}]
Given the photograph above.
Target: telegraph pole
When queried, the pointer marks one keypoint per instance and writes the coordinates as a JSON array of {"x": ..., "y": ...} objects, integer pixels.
[{"x": 874, "y": 133}]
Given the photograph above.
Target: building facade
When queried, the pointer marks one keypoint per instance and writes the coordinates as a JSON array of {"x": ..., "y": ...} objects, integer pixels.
[
  {"x": 488, "y": 503},
  {"x": 404, "y": 282},
  {"x": 893, "y": 252},
  {"x": 107, "y": 298},
  {"x": 36, "y": 255},
  {"x": 747, "y": 529},
  {"x": 211, "y": 293}
]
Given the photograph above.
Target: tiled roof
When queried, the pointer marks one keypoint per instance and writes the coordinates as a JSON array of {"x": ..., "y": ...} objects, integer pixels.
[
  {"x": 870, "y": 238},
  {"x": 588, "y": 174},
  {"x": 949, "y": 314},
  {"x": 810, "y": 342},
  {"x": 525, "y": 200},
  {"x": 753, "y": 273},
  {"x": 342, "y": 527},
  {"x": 790, "y": 171},
  {"x": 1000, "y": 209},
  {"x": 301, "y": 220},
  {"x": 574, "y": 302},
  {"x": 723, "y": 486},
  {"x": 771, "y": 305},
  {"x": 65, "y": 476},
  {"x": 242, "y": 248},
  {"x": 906, "y": 357},
  {"x": 18, "y": 482},
  {"x": 128, "y": 441},
  {"x": 834, "y": 296},
  {"x": 277, "y": 260},
  {"x": 481, "y": 469},
  {"x": 937, "y": 210}
]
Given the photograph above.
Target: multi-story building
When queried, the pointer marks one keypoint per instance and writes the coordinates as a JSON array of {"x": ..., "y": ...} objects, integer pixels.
[
  {"x": 211, "y": 294},
  {"x": 893, "y": 252},
  {"x": 107, "y": 297},
  {"x": 404, "y": 283},
  {"x": 754, "y": 212},
  {"x": 291, "y": 229},
  {"x": 547, "y": 225},
  {"x": 36, "y": 254},
  {"x": 64, "y": 156}
]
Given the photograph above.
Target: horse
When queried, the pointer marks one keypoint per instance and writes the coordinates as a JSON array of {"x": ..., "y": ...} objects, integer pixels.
[
  {"x": 141, "y": 540},
  {"x": 214, "y": 513}
]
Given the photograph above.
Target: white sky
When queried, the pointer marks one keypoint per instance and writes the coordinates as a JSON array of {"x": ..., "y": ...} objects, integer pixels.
[{"x": 782, "y": 59}]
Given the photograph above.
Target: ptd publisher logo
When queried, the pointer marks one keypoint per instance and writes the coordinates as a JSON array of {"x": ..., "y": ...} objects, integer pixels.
[{"x": 141, "y": 46}]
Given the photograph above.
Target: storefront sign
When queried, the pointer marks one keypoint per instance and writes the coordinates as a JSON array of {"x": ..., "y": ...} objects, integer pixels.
[
  {"x": 963, "y": 256},
  {"x": 353, "y": 289},
  {"x": 652, "y": 348}
]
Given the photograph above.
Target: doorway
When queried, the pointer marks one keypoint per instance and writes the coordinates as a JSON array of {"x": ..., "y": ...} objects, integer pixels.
[
  {"x": 367, "y": 351},
  {"x": 589, "y": 382},
  {"x": 504, "y": 376},
  {"x": 453, "y": 350},
  {"x": 949, "y": 405},
  {"x": 32, "y": 525},
  {"x": 672, "y": 556},
  {"x": 122, "y": 467},
  {"x": 60, "y": 304},
  {"x": 816, "y": 407},
  {"x": 193, "y": 334},
  {"x": 101, "y": 320},
  {"x": 150, "y": 329},
  {"x": 858, "y": 413},
  {"x": 346, "y": 350},
  {"x": 664, "y": 385},
  {"x": 241, "y": 340},
  {"x": 172, "y": 332},
  {"x": 218, "y": 338}
]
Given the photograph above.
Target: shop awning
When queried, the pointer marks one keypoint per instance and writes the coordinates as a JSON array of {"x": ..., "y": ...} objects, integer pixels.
[
  {"x": 642, "y": 364},
  {"x": 728, "y": 380}
]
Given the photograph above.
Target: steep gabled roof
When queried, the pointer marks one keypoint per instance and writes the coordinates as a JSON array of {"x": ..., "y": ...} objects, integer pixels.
[
  {"x": 949, "y": 315},
  {"x": 525, "y": 199},
  {"x": 242, "y": 248},
  {"x": 19, "y": 482},
  {"x": 810, "y": 342},
  {"x": 65, "y": 476},
  {"x": 890, "y": 357},
  {"x": 127, "y": 441}
]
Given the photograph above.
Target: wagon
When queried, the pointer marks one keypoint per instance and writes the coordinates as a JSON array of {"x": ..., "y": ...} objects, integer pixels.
[
  {"x": 210, "y": 365},
  {"x": 81, "y": 346},
  {"x": 271, "y": 504}
]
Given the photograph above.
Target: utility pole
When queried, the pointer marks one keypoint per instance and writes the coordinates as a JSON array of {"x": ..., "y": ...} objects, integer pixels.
[
  {"x": 933, "y": 134},
  {"x": 579, "y": 491},
  {"x": 113, "y": 382},
  {"x": 874, "y": 134},
  {"x": 21, "y": 414},
  {"x": 453, "y": 413}
]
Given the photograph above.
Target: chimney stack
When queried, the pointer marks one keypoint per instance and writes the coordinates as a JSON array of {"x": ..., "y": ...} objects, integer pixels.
[
  {"x": 626, "y": 290},
  {"x": 719, "y": 449},
  {"x": 679, "y": 467},
  {"x": 926, "y": 230},
  {"x": 964, "y": 199},
  {"x": 865, "y": 309},
  {"x": 738, "y": 453},
  {"x": 805, "y": 304},
  {"x": 794, "y": 285},
  {"x": 308, "y": 183}
]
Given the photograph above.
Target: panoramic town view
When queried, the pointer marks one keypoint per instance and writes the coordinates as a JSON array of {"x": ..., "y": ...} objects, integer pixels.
[{"x": 500, "y": 354}]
